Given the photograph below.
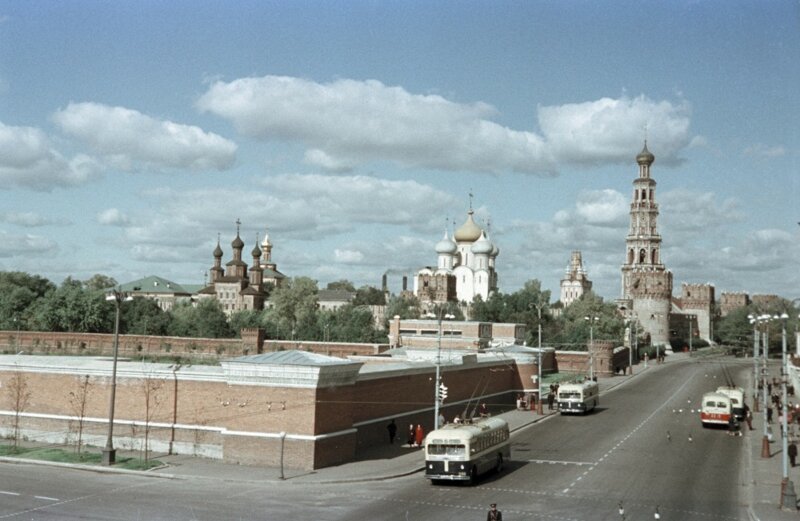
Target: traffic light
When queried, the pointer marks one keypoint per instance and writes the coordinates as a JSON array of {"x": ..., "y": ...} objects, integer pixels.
[{"x": 442, "y": 392}]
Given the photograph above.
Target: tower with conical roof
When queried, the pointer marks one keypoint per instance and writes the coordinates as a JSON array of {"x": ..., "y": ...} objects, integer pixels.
[
  {"x": 646, "y": 282},
  {"x": 576, "y": 282}
]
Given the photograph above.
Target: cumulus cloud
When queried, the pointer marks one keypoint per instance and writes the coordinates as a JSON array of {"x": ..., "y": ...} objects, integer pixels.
[
  {"x": 127, "y": 137},
  {"x": 27, "y": 245},
  {"x": 348, "y": 122},
  {"x": 688, "y": 211},
  {"x": 29, "y": 219},
  {"x": 607, "y": 130},
  {"x": 113, "y": 217},
  {"x": 348, "y": 256},
  {"x": 28, "y": 159},
  {"x": 762, "y": 150}
]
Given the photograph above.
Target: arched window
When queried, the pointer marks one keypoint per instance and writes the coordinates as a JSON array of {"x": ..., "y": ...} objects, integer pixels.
[
  {"x": 642, "y": 256},
  {"x": 655, "y": 256},
  {"x": 630, "y": 256}
]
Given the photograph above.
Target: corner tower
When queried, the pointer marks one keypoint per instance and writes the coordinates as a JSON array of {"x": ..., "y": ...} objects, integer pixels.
[{"x": 646, "y": 283}]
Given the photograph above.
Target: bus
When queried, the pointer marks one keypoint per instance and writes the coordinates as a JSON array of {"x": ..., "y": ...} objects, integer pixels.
[
  {"x": 736, "y": 394},
  {"x": 716, "y": 409},
  {"x": 464, "y": 451},
  {"x": 578, "y": 398}
]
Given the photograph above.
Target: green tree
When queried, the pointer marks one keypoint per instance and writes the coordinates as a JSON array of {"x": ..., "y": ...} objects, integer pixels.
[
  {"x": 205, "y": 320},
  {"x": 18, "y": 292},
  {"x": 406, "y": 307},
  {"x": 294, "y": 309},
  {"x": 574, "y": 330},
  {"x": 247, "y": 318},
  {"x": 344, "y": 285},
  {"x": 369, "y": 296},
  {"x": 349, "y": 323},
  {"x": 143, "y": 316},
  {"x": 71, "y": 308},
  {"x": 99, "y": 282}
]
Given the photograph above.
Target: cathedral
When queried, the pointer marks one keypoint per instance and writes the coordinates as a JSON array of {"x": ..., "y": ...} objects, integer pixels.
[
  {"x": 465, "y": 268},
  {"x": 236, "y": 287}
]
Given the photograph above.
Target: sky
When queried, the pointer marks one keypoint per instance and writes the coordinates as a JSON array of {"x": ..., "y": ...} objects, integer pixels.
[{"x": 134, "y": 134}]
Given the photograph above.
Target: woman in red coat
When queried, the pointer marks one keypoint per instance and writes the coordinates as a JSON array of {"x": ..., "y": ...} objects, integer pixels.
[{"x": 419, "y": 435}]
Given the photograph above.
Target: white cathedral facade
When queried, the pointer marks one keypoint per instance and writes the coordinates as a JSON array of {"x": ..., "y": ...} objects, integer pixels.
[{"x": 465, "y": 268}]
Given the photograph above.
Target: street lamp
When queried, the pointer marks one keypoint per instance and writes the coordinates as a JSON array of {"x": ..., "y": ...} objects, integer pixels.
[
  {"x": 109, "y": 452},
  {"x": 788, "y": 496},
  {"x": 437, "y": 392},
  {"x": 754, "y": 320},
  {"x": 591, "y": 321},
  {"x": 539, "y": 407},
  {"x": 690, "y": 317}
]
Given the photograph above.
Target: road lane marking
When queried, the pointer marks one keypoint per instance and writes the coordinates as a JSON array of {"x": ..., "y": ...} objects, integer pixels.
[
  {"x": 557, "y": 462},
  {"x": 45, "y": 498},
  {"x": 7, "y": 493}
]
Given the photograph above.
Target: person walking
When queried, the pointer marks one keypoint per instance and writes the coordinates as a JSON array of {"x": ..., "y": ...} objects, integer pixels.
[
  {"x": 748, "y": 417},
  {"x": 550, "y": 399},
  {"x": 419, "y": 435},
  {"x": 792, "y": 451},
  {"x": 392, "y": 428},
  {"x": 411, "y": 435},
  {"x": 494, "y": 514}
]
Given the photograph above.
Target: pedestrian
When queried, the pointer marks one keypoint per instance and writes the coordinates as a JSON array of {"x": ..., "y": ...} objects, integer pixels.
[
  {"x": 769, "y": 414},
  {"x": 442, "y": 420},
  {"x": 792, "y": 453},
  {"x": 419, "y": 435},
  {"x": 484, "y": 412},
  {"x": 494, "y": 514},
  {"x": 550, "y": 399},
  {"x": 411, "y": 435},
  {"x": 392, "y": 428},
  {"x": 748, "y": 417}
]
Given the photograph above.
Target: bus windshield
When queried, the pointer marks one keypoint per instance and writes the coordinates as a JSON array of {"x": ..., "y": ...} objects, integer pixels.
[
  {"x": 446, "y": 450},
  {"x": 568, "y": 395}
]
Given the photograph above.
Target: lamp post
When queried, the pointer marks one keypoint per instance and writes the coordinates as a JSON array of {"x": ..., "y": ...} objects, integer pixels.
[
  {"x": 788, "y": 496},
  {"x": 109, "y": 452},
  {"x": 539, "y": 408},
  {"x": 436, "y": 388},
  {"x": 753, "y": 321},
  {"x": 764, "y": 319},
  {"x": 690, "y": 333},
  {"x": 591, "y": 321}
]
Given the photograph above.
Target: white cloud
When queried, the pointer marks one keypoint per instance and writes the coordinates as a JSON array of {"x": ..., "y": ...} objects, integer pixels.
[
  {"x": 686, "y": 211},
  {"x": 25, "y": 245},
  {"x": 113, "y": 217},
  {"x": 29, "y": 219},
  {"x": 348, "y": 256},
  {"x": 127, "y": 136},
  {"x": 762, "y": 150},
  {"x": 27, "y": 159},
  {"x": 607, "y": 130},
  {"x": 346, "y": 123},
  {"x": 603, "y": 208}
]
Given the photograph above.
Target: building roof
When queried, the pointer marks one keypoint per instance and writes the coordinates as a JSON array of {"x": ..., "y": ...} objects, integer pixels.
[
  {"x": 335, "y": 295},
  {"x": 153, "y": 284},
  {"x": 293, "y": 357}
]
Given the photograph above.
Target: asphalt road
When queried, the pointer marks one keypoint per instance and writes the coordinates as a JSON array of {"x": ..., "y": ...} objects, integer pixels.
[{"x": 565, "y": 468}]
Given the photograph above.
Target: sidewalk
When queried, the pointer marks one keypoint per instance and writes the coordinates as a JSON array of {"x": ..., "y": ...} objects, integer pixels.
[{"x": 764, "y": 475}]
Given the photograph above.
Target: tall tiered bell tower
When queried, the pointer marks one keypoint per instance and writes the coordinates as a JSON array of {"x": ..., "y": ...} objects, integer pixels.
[{"x": 646, "y": 283}]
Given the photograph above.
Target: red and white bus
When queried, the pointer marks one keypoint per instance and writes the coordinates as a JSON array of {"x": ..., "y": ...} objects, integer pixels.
[{"x": 716, "y": 409}]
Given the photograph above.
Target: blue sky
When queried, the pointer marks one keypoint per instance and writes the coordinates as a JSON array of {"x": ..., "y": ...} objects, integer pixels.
[{"x": 131, "y": 134}]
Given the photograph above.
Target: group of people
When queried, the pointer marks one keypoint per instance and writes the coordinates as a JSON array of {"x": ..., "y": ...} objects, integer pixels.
[
  {"x": 551, "y": 397},
  {"x": 415, "y": 434}
]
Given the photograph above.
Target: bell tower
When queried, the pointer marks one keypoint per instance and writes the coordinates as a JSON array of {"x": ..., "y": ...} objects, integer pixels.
[{"x": 646, "y": 283}]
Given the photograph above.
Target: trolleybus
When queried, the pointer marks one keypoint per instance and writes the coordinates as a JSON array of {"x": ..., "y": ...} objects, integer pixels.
[
  {"x": 736, "y": 395},
  {"x": 464, "y": 451},
  {"x": 578, "y": 398},
  {"x": 716, "y": 409}
]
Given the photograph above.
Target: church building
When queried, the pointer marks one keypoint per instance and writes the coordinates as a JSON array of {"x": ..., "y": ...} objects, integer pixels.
[
  {"x": 576, "y": 282},
  {"x": 465, "y": 268},
  {"x": 236, "y": 287}
]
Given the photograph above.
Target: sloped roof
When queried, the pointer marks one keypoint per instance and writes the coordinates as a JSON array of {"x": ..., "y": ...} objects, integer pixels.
[
  {"x": 153, "y": 284},
  {"x": 292, "y": 357}
]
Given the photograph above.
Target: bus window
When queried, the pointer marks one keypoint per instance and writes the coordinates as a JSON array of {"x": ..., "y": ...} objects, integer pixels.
[{"x": 446, "y": 450}]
